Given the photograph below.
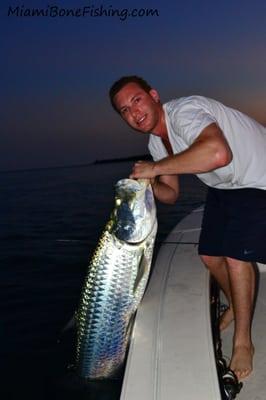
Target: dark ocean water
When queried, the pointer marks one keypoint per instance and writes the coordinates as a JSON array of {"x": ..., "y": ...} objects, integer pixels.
[{"x": 50, "y": 223}]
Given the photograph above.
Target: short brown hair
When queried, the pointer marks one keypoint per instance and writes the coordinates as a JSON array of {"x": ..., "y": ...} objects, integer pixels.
[{"x": 120, "y": 83}]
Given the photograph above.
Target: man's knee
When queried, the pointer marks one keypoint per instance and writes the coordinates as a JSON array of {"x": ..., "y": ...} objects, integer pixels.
[
  {"x": 211, "y": 261},
  {"x": 233, "y": 262}
]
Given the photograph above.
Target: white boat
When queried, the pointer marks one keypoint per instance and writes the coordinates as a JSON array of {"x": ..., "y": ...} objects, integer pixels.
[{"x": 171, "y": 354}]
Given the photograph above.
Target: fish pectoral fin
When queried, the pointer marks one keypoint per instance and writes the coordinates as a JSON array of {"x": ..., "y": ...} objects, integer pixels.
[
  {"x": 143, "y": 272},
  {"x": 130, "y": 325}
]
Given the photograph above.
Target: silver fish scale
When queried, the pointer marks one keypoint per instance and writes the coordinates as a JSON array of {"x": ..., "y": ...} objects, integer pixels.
[{"x": 108, "y": 302}]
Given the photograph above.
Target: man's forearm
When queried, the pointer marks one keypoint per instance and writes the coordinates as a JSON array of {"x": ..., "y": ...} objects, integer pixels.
[
  {"x": 209, "y": 152},
  {"x": 197, "y": 159},
  {"x": 164, "y": 192}
]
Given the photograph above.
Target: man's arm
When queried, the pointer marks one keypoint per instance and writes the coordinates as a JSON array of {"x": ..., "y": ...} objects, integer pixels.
[
  {"x": 166, "y": 188},
  {"x": 208, "y": 152}
]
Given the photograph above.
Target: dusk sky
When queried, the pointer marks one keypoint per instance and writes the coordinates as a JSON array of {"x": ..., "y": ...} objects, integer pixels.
[{"x": 56, "y": 71}]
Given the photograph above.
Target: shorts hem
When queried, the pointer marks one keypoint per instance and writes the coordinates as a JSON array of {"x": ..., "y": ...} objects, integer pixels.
[{"x": 261, "y": 260}]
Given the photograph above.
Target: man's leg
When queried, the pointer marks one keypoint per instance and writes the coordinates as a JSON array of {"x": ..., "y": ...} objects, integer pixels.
[
  {"x": 237, "y": 280},
  {"x": 242, "y": 283},
  {"x": 218, "y": 268}
]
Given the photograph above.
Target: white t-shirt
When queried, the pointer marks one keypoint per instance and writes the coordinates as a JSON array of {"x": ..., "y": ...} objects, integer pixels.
[{"x": 186, "y": 117}]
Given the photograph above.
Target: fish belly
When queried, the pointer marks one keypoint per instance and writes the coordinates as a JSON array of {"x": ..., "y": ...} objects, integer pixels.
[{"x": 116, "y": 280}]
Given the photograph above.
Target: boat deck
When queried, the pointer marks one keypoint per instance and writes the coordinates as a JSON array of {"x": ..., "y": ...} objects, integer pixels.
[{"x": 171, "y": 353}]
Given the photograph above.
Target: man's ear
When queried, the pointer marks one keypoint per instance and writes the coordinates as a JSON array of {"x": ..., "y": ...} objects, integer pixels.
[{"x": 155, "y": 95}]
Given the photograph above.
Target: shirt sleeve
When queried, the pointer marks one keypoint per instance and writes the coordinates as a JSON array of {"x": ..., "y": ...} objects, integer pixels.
[{"x": 190, "y": 119}]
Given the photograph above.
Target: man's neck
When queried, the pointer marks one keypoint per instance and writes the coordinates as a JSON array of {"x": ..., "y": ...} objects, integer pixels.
[{"x": 161, "y": 128}]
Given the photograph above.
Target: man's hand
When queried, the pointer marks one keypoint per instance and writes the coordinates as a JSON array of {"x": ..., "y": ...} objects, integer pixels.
[{"x": 143, "y": 169}]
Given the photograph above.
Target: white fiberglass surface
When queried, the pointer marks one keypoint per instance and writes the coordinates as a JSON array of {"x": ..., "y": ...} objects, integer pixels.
[{"x": 171, "y": 353}]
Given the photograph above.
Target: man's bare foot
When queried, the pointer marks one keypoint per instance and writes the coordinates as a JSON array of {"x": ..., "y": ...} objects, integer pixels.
[
  {"x": 241, "y": 362},
  {"x": 226, "y": 318}
]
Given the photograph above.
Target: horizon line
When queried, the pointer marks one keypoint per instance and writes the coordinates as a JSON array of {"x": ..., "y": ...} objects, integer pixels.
[{"x": 95, "y": 162}]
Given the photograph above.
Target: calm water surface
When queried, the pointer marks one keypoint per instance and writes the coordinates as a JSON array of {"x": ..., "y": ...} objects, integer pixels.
[{"x": 50, "y": 223}]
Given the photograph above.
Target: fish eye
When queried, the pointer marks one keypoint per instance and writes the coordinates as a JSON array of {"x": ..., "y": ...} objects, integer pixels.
[{"x": 118, "y": 201}]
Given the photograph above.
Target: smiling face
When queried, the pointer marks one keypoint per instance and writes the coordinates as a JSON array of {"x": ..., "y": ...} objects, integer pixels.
[{"x": 140, "y": 109}]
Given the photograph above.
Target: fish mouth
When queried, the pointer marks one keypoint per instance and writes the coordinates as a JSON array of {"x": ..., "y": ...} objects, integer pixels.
[{"x": 130, "y": 186}]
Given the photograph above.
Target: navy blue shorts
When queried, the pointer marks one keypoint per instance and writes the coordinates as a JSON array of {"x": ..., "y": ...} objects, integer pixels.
[{"x": 234, "y": 224}]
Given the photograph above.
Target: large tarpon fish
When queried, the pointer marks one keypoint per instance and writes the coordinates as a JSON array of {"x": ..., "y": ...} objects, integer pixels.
[{"x": 116, "y": 280}]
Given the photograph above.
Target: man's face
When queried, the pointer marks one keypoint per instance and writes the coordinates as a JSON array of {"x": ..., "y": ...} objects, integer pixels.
[{"x": 141, "y": 110}]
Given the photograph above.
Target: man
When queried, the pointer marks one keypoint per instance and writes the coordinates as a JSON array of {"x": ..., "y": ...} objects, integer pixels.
[{"x": 225, "y": 149}]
